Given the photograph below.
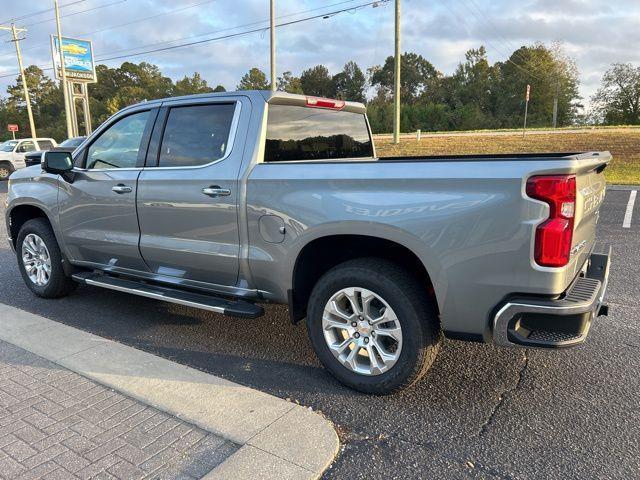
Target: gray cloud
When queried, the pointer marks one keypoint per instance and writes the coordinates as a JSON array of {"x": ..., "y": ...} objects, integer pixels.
[{"x": 595, "y": 32}]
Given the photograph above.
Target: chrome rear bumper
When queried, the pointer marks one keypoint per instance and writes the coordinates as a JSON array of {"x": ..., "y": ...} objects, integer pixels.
[{"x": 556, "y": 323}]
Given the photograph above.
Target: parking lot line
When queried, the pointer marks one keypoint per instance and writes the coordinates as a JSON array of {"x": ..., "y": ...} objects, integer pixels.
[{"x": 626, "y": 223}]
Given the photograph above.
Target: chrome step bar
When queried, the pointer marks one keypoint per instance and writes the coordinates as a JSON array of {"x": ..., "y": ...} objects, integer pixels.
[{"x": 235, "y": 308}]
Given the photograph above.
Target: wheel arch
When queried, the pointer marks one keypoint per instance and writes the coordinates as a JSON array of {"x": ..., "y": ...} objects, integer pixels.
[
  {"x": 321, "y": 254},
  {"x": 21, "y": 214}
]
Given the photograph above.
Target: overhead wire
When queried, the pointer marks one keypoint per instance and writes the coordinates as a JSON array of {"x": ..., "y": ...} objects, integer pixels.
[
  {"x": 223, "y": 37},
  {"x": 40, "y": 12}
]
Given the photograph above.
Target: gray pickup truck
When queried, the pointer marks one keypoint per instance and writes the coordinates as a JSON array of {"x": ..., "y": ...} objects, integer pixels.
[{"x": 228, "y": 201}]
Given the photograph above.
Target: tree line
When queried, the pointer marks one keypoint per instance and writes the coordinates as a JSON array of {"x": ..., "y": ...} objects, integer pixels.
[{"x": 477, "y": 95}]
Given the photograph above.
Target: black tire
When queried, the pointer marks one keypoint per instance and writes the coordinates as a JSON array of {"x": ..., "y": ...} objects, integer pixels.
[
  {"x": 406, "y": 296},
  {"x": 6, "y": 169},
  {"x": 59, "y": 285}
]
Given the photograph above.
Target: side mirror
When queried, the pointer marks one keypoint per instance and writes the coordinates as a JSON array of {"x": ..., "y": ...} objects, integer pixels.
[{"x": 57, "y": 163}]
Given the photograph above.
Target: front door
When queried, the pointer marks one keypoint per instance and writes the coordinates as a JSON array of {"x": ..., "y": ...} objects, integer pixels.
[
  {"x": 98, "y": 207},
  {"x": 20, "y": 151},
  {"x": 187, "y": 195}
]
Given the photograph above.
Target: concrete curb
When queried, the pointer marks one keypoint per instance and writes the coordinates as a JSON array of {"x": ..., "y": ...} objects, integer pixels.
[{"x": 278, "y": 439}]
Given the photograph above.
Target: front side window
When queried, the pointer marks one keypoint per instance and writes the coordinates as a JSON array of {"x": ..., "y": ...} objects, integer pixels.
[
  {"x": 118, "y": 146},
  {"x": 196, "y": 135},
  {"x": 27, "y": 146},
  {"x": 303, "y": 133}
]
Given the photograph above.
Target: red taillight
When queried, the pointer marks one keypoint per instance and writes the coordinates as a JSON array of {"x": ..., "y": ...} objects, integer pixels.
[
  {"x": 555, "y": 235},
  {"x": 315, "y": 102}
]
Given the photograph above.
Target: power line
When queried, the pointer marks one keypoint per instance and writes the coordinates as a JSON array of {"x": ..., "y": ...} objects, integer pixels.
[
  {"x": 164, "y": 42},
  {"x": 97, "y": 7},
  {"x": 169, "y": 12},
  {"x": 40, "y": 12},
  {"x": 228, "y": 29},
  {"x": 223, "y": 37},
  {"x": 248, "y": 32},
  {"x": 501, "y": 39},
  {"x": 491, "y": 44},
  {"x": 76, "y": 13}
]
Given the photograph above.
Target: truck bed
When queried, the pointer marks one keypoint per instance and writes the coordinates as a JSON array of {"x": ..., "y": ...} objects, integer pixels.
[{"x": 495, "y": 157}]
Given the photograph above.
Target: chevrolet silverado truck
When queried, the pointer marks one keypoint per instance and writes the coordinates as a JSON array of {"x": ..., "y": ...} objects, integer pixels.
[{"x": 228, "y": 201}]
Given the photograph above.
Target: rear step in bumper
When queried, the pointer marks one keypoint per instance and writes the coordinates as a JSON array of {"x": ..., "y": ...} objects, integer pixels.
[
  {"x": 234, "y": 308},
  {"x": 556, "y": 323}
]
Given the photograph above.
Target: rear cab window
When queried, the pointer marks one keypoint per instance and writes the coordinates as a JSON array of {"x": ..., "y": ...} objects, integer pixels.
[{"x": 299, "y": 133}]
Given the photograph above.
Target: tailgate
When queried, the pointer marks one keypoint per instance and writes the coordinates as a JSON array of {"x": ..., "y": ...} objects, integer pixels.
[{"x": 591, "y": 188}]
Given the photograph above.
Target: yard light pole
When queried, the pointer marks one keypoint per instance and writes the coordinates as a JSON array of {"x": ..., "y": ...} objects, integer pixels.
[
  {"x": 273, "y": 45},
  {"x": 396, "y": 79}
]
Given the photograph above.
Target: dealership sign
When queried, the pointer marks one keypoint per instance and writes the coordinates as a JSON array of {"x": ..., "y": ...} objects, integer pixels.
[
  {"x": 78, "y": 59},
  {"x": 12, "y": 127}
]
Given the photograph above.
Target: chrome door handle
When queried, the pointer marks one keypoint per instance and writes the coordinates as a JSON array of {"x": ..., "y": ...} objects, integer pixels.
[
  {"x": 122, "y": 189},
  {"x": 216, "y": 191}
]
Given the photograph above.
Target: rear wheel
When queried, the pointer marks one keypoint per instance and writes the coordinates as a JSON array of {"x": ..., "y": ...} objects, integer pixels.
[
  {"x": 6, "y": 169},
  {"x": 40, "y": 260},
  {"x": 372, "y": 325}
]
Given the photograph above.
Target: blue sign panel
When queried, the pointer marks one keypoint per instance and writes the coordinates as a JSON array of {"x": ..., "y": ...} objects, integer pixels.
[{"x": 78, "y": 59}]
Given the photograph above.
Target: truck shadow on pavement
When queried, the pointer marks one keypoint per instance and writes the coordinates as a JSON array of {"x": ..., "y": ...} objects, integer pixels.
[{"x": 476, "y": 402}]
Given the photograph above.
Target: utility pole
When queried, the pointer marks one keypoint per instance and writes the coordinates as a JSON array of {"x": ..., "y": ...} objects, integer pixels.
[
  {"x": 526, "y": 110},
  {"x": 396, "y": 79},
  {"x": 273, "y": 44},
  {"x": 14, "y": 33},
  {"x": 555, "y": 104},
  {"x": 63, "y": 74}
]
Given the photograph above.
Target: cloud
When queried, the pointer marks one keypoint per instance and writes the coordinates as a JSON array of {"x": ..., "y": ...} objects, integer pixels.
[{"x": 595, "y": 32}]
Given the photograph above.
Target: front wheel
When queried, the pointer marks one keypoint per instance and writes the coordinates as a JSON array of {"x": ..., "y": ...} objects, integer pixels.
[
  {"x": 372, "y": 325},
  {"x": 6, "y": 169},
  {"x": 40, "y": 260}
]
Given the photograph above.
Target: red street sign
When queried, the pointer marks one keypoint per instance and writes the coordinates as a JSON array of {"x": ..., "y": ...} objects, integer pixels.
[
  {"x": 12, "y": 127},
  {"x": 528, "y": 92}
]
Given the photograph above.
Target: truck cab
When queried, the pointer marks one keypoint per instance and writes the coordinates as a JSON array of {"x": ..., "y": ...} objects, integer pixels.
[
  {"x": 12, "y": 153},
  {"x": 228, "y": 201}
]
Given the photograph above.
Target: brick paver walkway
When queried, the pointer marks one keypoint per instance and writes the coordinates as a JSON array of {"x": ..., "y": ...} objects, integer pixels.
[{"x": 56, "y": 424}]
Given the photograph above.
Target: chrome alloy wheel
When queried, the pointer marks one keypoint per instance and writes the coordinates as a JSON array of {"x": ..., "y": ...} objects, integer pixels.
[
  {"x": 362, "y": 331},
  {"x": 4, "y": 172},
  {"x": 36, "y": 259}
]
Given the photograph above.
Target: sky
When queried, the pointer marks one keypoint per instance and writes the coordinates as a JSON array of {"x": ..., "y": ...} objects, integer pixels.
[{"x": 596, "y": 33}]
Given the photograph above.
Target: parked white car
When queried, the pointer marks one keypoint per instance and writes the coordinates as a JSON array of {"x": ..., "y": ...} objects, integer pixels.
[{"x": 12, "y": 153}]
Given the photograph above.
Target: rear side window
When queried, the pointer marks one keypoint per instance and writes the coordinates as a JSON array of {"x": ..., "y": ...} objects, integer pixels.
[
  {"x": 196, "y": 135},
  {"x": 303, "y": 133},
  {"x": 45, "y": 144}
]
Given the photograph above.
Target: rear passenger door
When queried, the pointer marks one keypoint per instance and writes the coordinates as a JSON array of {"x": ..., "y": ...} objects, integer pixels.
[{"x": 188, "y": 193}]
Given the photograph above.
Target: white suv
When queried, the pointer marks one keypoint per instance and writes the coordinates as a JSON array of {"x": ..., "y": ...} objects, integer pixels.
[{"x": 12, "y": 153}]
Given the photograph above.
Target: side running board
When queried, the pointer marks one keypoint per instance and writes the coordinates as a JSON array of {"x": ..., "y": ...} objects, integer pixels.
[{"x": 234, "y": 308}]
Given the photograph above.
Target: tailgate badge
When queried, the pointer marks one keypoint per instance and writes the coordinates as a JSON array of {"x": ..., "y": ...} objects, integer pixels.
[{"x": 578, "y": 248}]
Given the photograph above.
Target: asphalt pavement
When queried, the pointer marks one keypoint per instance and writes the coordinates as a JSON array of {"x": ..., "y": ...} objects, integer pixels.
[{"x": 481, "y": 412}]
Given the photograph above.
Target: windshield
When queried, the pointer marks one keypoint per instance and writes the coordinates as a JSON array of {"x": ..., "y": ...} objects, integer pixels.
[
  {"x": 8, "y": 146},
  {"x": 72, "y": 142}
]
